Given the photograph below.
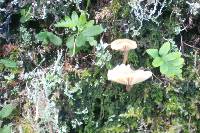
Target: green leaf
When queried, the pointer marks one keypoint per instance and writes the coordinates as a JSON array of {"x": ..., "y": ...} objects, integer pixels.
[
  {"x": 89, "y": 24},
  {"x": 54, "y": 39},
  {"x": 152, "y": 52},
  {"x": 66, "y": 23},
  {"x": 93, "y": 31},
  {"x": 43, "y": 37},
  {"x": 80, "y": 40},
  {"x": 164, "y": 68},
  {"x": 172, "y": 56},
  {"x": 177, "y": 62},
  {"x": 5, "y": 129},
  {"x": 22, "y": 12},
  {"x": 92, "y": 41},
  {"x": 25, "y": 15},
  {"x": 71, "y": 52},
  {"x": 157, "y": 62},
  {"x": 165, "y": 48},
  {"x": 47, "y": 37},
  {"x": 74, "y": 18},
  {"x": 8, "y": 63},
  {"x": 6, "y": 110},
  {"x": 82, "y": 19},
  {"x": 174, "y": 71},
  {"x": 70, "y": 42}
]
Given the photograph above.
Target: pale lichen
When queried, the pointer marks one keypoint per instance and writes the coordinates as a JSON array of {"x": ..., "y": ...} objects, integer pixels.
[{"x": 146, "y": 11}]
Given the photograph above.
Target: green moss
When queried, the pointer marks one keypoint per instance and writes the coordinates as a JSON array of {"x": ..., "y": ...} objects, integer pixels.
[
  {"x": 133, "y": 58},
  {"x": 115, "y": 7}
]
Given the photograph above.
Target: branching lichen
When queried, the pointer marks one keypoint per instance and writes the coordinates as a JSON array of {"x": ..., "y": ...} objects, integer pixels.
[
  {"x": 42, "y": 88},
  {"x": 149, "y": 11},
  {"x": 102, "y": 54},
  {"x": 194, "y": 7}
]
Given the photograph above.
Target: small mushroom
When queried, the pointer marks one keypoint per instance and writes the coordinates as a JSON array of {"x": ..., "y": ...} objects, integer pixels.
[
  {"x": 124, "y": 45},
  {"x": 123, "y": 74}
]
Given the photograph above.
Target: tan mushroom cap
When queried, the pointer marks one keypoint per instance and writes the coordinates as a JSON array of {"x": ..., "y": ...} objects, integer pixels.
[
  {"x": 123, "y": 44},
  {"x": 123, "y": 74}
]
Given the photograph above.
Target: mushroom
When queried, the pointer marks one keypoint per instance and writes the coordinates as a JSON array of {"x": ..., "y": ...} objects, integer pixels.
[
  {"x": 123, "y": 74},
  {"x": 124, "y": 45}
]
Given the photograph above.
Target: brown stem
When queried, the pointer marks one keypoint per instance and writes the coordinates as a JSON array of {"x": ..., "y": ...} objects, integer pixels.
[
  {"x": 128, "y": 87},
  {"x": 125, "y": 57}
]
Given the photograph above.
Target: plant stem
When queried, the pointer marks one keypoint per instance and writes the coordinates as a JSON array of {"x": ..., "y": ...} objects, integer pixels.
[
  {"x": 128, "y": 87},
  {"x": 88, "y": 4},
  {"x": 125, "y": 57}
]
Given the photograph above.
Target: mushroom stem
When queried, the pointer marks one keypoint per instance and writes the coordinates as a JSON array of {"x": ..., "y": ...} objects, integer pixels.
[
  {"x": 125, "y": 57},
  {"x": 128, "y": 87}
]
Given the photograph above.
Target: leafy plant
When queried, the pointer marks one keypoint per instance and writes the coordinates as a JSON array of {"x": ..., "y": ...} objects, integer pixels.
[
  {"x": 115, "y": 129},
  {"x": 8, "y": 63},
  {"x": 48, "y": 37},
  {"x": 25, "y": 15},
  {"x": 4, "y": 113},
  {"x": 83, "y": 31},
  {"x": 170, "y": 63}
]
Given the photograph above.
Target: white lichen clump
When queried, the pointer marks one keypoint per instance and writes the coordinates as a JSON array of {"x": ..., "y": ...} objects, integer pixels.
[
  {"x": 103, "y": 55},
  {"x": 42, "y": 89},
  {"x": 194, "y": 7},
  {"x": 144, "y": 10}
]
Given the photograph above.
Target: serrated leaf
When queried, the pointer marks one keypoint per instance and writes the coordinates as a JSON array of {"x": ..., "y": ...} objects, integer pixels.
[
  {"x": 66, "y": 23},
  {"x": 152, "y": 52},
  {"x": 93, "y": 31},
  {"x": 172, "y": 56},
  {"x": 6, "y": 110},
  {"x": 164, "y": 68},
  {"x": 74, "y": 18},
  {"x": 8, "y": 63},
  {"x": 157, "y": 62},
  {"x": 47, "y": 37},
  {"x": 165, "y": 48},
  {"x": 82, "y": 19},
  {"x": 25, "y": 15},
  {"x": 70, "y": 42},
  {"x": 80, "y": 40},
  {"x": 89, "y": 24}
]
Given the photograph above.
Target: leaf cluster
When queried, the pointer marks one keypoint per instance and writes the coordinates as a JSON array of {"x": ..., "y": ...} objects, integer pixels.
[
  {"x": 25, "y": 15},
  {"x": 48, "y": 37},
  {"x": 170, "y": 63},
  {"x": 5, "y": 113},
  {"x": 82, "y": 31}
]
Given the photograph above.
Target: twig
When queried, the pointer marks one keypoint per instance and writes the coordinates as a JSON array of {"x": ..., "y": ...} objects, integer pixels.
[
  {"x": 157, "y": 78},
  {"x": 195, "y": 59},
  {"x": 182, "y": 46},
  {"x": 191, "y": 46},
  {"x": 189, "y": 124}
]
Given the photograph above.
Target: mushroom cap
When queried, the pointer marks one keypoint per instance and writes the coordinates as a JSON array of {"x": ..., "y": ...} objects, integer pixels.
[
  {"x": 123, "y": 44},
  {"x": 123, "y": 74}
]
